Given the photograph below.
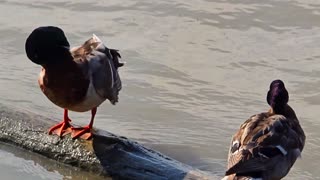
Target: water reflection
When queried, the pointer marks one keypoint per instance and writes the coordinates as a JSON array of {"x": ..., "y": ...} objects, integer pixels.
[{"x": 31, "y": 165}]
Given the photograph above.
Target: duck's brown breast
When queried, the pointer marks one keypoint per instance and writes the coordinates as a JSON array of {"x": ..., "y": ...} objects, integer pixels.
[{"x": 65, "y": 86}]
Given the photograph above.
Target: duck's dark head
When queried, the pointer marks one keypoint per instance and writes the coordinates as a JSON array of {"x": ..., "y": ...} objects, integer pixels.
[
  {"x": 46, "y": 45},
  {"x": 278, "y": 96}
]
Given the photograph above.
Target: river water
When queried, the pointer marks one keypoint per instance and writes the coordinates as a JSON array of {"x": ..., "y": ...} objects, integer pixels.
[{"x": 195, "y": 71}]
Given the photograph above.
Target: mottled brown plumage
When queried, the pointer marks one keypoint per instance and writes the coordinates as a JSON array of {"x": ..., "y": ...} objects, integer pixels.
[{"x": 266, "y": 145}]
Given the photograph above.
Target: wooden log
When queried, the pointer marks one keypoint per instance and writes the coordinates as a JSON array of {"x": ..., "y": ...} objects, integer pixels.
[{"x": 106, "y": 154}]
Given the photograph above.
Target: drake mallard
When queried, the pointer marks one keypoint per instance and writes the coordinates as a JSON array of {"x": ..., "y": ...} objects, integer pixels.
[
  {"x": 267, "y": 144},
  {"x": 77, "y": 79}
]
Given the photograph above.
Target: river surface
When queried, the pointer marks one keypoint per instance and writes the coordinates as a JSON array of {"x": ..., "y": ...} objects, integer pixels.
[{"x": 196, "y": 69}]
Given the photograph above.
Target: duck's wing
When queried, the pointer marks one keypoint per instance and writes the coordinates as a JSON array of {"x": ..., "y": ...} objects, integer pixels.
[
  {"x": 261, "y": 142},
  {"x": 102, "y": 64}
]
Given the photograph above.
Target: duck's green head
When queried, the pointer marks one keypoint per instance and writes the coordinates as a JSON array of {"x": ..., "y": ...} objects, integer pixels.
[{"x": 46, "y": 45}]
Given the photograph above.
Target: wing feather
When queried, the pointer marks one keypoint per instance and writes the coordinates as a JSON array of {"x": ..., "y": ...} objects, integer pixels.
[
  {"x": 103, "y": 64},
  {"x": 263, "y": 139}
]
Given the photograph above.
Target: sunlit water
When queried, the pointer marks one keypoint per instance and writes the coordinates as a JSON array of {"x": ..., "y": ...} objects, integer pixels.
[{"x": 195, "y": 71}]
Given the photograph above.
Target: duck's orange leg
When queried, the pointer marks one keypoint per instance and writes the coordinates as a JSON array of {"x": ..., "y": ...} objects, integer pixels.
[
  {"x": 84, "y": 132},
  {"x": 63, "y": 128}
]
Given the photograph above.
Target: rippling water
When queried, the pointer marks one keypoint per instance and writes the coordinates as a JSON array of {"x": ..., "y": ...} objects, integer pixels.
[{"x": 195, "y": 71}]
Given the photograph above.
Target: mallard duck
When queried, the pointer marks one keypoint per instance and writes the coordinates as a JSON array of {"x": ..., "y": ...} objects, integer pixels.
[
  {"x": 77, "y": 79},
  {"x": 267, "y": 144}
]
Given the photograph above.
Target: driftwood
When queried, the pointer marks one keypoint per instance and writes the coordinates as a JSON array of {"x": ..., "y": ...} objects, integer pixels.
[{"x": 106, "y": 154}]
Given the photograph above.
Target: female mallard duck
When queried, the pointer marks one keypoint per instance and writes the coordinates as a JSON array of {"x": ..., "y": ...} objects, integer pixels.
[
  {"x": 79, "y": 79},
  {"x": 267, "y": 144}
]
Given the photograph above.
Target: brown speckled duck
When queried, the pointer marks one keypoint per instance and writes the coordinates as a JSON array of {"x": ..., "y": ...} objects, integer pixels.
[
  {"x": 79, "y": 79},
  {"x": 267, "y": 144}
]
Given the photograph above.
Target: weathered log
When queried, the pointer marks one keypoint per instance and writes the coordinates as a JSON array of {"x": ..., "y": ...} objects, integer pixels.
[{"x": 106, "y": 154}]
